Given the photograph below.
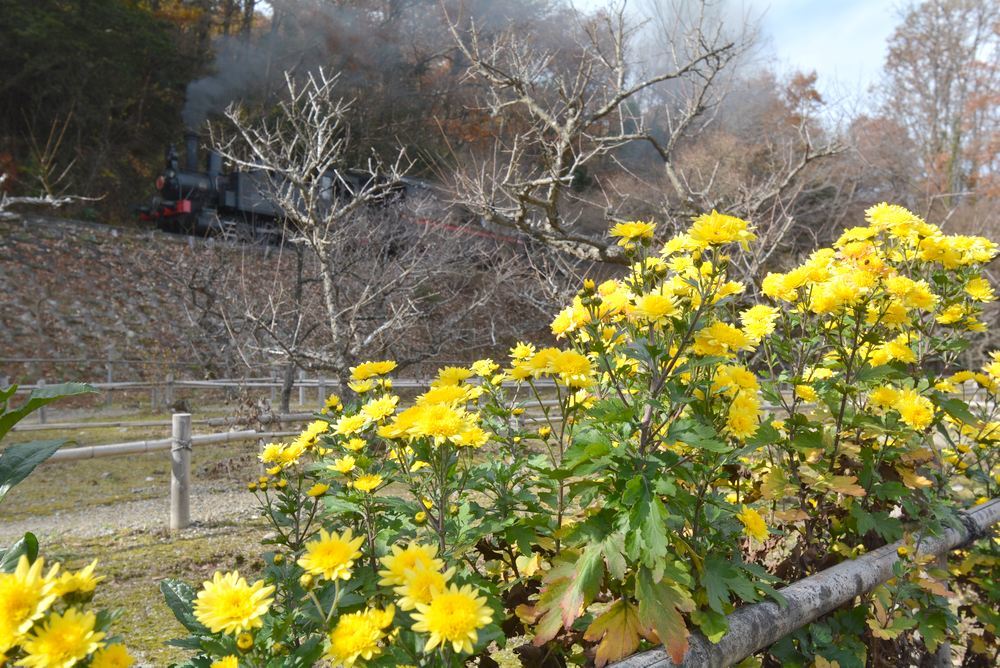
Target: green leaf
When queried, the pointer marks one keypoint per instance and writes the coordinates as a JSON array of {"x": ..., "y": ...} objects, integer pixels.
[
  {"x": 648, "y": 542},
  {"x": 180, "y": 597},
  {"x": 958, "y": 409},
  {"x": 38, "y": 398},
  {"x": 863, "y": 520},
  {"x": 18, "y": 461},
  {"x": 26, "y": 546},
  {"x": 715, "y": 579},
  {"x": 697, "y": 435},
  {"x": 661, "y": 605},
  {"x": 713, "y": 625},
  {"x": 611, "y": 411}
]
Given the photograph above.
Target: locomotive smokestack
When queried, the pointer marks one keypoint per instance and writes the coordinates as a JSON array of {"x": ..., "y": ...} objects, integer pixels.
[
  {"x": 214, "y": 164},
  {"x": 191, "y": 151}
]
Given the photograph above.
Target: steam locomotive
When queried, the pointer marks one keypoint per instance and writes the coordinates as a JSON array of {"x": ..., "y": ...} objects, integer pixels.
[{"x": 237, "y": 204}]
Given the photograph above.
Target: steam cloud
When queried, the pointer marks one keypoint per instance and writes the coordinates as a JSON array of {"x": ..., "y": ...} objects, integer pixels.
[
  {"x": 245, "y": 69},
  {"x": 307, "y": 34}
]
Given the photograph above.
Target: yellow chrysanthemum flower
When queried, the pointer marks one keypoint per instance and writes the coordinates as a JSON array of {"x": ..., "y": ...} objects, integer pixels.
[
  {"x": 420, "y": 585},
  {"x": 915, "y": 411},
  {"x": 367, "y": 370},
  {"x": 805, "y": 393},
  {"x": 753, "y": 523},
  {"x": 980, "y": 290},
  {"x": 451, "y": 375},
  {"x": 630, "y": 232},
  {"x": 653, "y": 308},
  {"x": 227, "y": 604},
  {"x": 345, "y": 464},
  {"x": 312, "y": 432},
  {"x": 401, "y": 560},
  {"x": 332, "y": 404},
  {"x": 742, "y": 419},
  {"x": 573, "y": 368},
  {"x": 719, "y": 339},
  {"x": 229, "y": 661},
  {"x": 361, "y": 386},
  {"x": 367, "y": 482},
  {"x": 332, "y": 555},
  {"x": 716, "y": 228},
  {"x": 759, "y": 321},
  {"x": 570, "y": 319},
  {"x": 484, "y": 368},
  {"x": 62, "y": 640},
  {"x": 379, "y": 409},
  {"x": 522, "y": 351},
  {"x": 355, "y": 444},
  {"x": 271, "y": 453},
  {"x": 358, "y": 636},
  {"x": 883, "y": 397},
  {"x": 83, "y": 581},
  {"x": 112, "y": 656},
  {"x": 25, "y": 595},
  {"x": 446, "y": 394},
  {"x": 732, "y": 379},
  {"x": 453, "y": 616},
  {"x": 350, "y": 424},
  {"x": 319, "y": 489}
]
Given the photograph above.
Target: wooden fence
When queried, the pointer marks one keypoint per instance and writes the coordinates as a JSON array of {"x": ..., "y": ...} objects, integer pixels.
[
  {"x": 161, "y": 393},
  {"x": 180, "y": 444}
]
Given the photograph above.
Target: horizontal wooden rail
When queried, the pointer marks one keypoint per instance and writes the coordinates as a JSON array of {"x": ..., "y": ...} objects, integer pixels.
[
  {"x": 249, "y": 382},
  {"x": 140, "y": 447},
  {"x": 755, "y": 627},
  {"x": 212, "y": 422}
]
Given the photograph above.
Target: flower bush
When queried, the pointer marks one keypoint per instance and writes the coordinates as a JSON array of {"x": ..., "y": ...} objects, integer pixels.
[
  {"x": 682, "y": 453},
  {"x": 44, "y": 617}
]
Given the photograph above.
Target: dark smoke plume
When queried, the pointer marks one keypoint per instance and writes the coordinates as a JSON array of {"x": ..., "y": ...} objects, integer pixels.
[{"x": 252, "y": 68}]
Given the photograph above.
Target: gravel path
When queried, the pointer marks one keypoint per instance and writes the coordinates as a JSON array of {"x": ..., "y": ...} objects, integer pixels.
[{"x": 209, "y": 504}]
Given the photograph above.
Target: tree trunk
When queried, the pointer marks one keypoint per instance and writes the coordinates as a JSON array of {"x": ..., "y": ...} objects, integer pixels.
[{"x": 287, "y": 383}]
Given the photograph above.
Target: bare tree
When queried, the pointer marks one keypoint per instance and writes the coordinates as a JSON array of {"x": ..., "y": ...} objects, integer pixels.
[
  {"x": 375, "y": 269},
  {"x": 942, "y": 74},
  {"x": 562, "y": 115},
  {"x": 8, "y": 202}
]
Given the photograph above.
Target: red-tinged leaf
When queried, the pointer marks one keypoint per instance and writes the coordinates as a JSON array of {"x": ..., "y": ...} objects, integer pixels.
[
  {"x": 661, "y": 605},
  {"x": 618, "y": 631},
  {"x": 588, "y": 573},
  {"x": 547, "y": 611}
]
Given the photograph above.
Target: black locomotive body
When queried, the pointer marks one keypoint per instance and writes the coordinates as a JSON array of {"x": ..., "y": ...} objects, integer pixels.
[{"x": 234, "y": 204}]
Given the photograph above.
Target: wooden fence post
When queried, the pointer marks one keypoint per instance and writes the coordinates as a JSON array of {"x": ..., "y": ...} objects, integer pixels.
[
  {"x": 111, "y": 378},
  {"x": 302, "y": 387},
  {"x": 180, "y": 472},
  {"x": 168, "y": 391},
  {"x": 41, "y": 411}
]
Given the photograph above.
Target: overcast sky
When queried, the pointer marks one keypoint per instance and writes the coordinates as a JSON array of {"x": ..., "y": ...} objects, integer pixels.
[{"x": 843, "y": 40}]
